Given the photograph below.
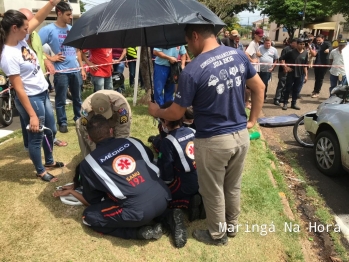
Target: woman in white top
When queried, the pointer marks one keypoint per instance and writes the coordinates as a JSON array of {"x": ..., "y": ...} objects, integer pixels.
[{"x": 20, "y": 63}]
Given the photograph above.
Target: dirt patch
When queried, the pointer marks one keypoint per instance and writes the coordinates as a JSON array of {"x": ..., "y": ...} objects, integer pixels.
[{"x": 317, "y": 246}]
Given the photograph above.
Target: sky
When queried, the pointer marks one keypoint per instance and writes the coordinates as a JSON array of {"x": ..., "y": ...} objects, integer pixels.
[{"x": 246, "y": 18}]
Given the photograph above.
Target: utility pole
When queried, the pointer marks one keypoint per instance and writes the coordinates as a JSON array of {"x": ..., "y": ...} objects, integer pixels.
[{"x": 303, "y": 20}]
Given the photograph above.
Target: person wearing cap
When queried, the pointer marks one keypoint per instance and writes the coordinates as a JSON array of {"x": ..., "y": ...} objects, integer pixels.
[
  {"x": 337, "y": 74},
  {"x": 335, "y": 43},
  {"x": 296, "y": 75},
  {"x": 113, "y": 106},
  {"x": 230, "y": 41}
]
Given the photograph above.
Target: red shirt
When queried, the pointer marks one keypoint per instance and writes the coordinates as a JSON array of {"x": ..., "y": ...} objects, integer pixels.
[{"x": 100, "y": 56}]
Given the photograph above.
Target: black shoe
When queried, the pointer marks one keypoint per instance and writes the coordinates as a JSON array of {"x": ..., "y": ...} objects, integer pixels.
[
  {"x": 295, "y": 107},
  {"x": 157, "y": 231},
  {"x": 233, "y": 233},
  {"x": 175, "y": 220},
  {"x": 284, "y": 107},
  {"x": 194, "y": 207},
  {"x": 205, "y": 237},
  {"x": 148, "y": 232},
  {"x": 151, "y": 139},
  {"x": 63, "y": 129},
  {"x": 276, "y": 102},
  {"x": 145, "y": 232}
]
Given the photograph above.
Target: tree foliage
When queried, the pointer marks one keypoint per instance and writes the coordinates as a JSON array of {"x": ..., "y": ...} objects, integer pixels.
[
  {"x": 226, "y": 9},
  {"x": 338, "y": 7},
  {"x": 82, "y": 7},
  {"x": 289, "y": 13}
]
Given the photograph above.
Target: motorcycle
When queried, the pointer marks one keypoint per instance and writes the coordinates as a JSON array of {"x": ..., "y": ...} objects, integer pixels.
[
  {"x": 339, "y": 95},
  {"x": 7, "y": 104}
]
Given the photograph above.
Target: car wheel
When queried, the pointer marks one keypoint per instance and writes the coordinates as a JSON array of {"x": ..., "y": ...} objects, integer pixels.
[{"x": 327, "y": 153}]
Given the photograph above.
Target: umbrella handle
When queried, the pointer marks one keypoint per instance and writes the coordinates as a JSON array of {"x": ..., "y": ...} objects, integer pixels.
[{"x": 152, "y": 97}]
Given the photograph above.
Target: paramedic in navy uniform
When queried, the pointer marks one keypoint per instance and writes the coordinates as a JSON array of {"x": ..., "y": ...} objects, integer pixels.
[
  {"x": 214, "y": 84},
  {"x": 120, "y": 171}
]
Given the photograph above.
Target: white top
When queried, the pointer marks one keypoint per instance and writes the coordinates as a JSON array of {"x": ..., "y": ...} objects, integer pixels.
[
  {"x": 21, "y": 60},
  {"x": 252, "y": 50},
  {"x": 47, "y": 50},
  {"x": 337, "y": 60}
]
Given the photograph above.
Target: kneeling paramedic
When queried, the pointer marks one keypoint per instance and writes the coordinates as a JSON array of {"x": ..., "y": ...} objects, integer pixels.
[
  {"x": 110, "y": 104},
  {"x": 120, "y": 170}
]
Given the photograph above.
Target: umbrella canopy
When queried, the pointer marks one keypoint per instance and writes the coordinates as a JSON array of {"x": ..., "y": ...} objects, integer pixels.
[{"x": 125, "y": 23}]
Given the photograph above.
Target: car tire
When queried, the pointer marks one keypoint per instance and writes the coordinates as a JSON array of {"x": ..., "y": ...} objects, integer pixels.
[{"x": 327, "y": 153}]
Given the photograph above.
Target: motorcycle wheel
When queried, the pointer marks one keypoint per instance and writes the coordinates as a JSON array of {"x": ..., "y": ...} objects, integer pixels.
[
  {"x": 6, "y": 115},
  {"x": 301, "y": 135}
]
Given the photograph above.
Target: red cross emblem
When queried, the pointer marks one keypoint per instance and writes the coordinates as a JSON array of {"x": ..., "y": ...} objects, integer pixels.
[
  {"x": 124, "y": 165},
  {"x": 189, "y": 150}
]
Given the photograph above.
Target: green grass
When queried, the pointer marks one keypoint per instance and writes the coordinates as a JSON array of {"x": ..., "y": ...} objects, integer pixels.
[{"x": 37, "y": 227}]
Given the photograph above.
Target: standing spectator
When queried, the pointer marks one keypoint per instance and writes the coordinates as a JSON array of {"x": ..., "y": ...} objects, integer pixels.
[
  {"x": 221, "y": 139},
  {"x": 163, "y": 88},
  {"x": 335, "y": 43},
  {"x": 337, "y": 74},
  {"x": 230, "y": 41},
  {"x": 226, "y": 34},
  {"x": 19, "y": 62},
  {"x": 48, "y": 52},
  {"x": 280, "y": 89},
  {"x": 269, "y": 55},
  {"x": 253, "y": 55},
  {"x": 296, "y": 75},
  {"x": 132, "y": 55},
  {"x": 100, "y": 75},
  {"x": 54, "y": 35},
  {"x": 35, "y": 44},
  {"x": 237, "y": 43},
  {"x": 323, "y": 49},
  {"x": 119, "y": 55}
]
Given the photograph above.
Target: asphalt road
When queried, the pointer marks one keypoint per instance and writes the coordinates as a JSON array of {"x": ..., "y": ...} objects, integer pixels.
[{"x": 335, "y": 191}]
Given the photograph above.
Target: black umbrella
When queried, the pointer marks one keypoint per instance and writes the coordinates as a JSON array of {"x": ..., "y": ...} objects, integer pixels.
[{"x": 152, "y": 23}]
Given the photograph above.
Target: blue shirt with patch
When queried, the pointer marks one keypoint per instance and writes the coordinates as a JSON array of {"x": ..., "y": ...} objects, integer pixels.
[
  {"x": 174, "y": 52},
  {"x": 214, "y": 84},
  {"x": 54, "y": 36}
]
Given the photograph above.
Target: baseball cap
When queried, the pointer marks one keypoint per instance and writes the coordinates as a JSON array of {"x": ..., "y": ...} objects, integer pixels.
[
  {"x": 342, "y": 42},
  {"x": 234, "y": 32},
  {"x": 100, "y": 104},
  {"x": 259, "y": 32}
]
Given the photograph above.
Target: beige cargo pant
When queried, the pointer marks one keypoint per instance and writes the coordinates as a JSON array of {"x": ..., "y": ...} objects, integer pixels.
[{"x": 220, "y": 161}]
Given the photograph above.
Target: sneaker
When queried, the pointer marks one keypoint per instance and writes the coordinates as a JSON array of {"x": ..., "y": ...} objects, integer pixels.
[
  {"x": 205, "y": 237},
  {"x": 295, "y": 107},
  {"x": 284, "y": 107},
  {"x": 315, "y": 95},
  {"x": 194, "y": 207},
  {"x": 175, "y": 220},
  {"x": 63, "y": 129},
  {"x": 276, "y": 102}
]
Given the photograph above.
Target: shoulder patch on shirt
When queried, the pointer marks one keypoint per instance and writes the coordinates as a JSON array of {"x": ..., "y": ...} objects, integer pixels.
[
  {"x": 122, "y": 111},
  {"x": 124, "y": 165},
  {"x": 123, "y": 119},
  {"x": 189, "y": 150},
  {"x": 84, "y": 121}
]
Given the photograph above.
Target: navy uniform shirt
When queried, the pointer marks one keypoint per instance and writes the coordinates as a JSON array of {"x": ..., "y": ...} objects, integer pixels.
[
  {"x": 117, "y": 168},
  {"x": 171, "y": 164},
  {"x": 214, "y": 84}
]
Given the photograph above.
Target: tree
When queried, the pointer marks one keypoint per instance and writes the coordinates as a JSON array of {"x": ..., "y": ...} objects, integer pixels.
[
  {"x": 226, "y": 9},
  {"x": 82, "y": 7},
  {"x": 338, "y": 7},
  {"x": 289, "y": 13}
]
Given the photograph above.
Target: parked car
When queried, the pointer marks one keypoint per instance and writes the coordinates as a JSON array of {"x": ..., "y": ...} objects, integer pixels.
[{"x": 329, "y": 130}]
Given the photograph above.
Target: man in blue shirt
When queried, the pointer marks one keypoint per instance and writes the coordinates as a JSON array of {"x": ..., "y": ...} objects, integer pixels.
[
  {"x": 54, "y": 35},
  {"x": 163, "y": 88},
  {"x": 214, "y": 84}
]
